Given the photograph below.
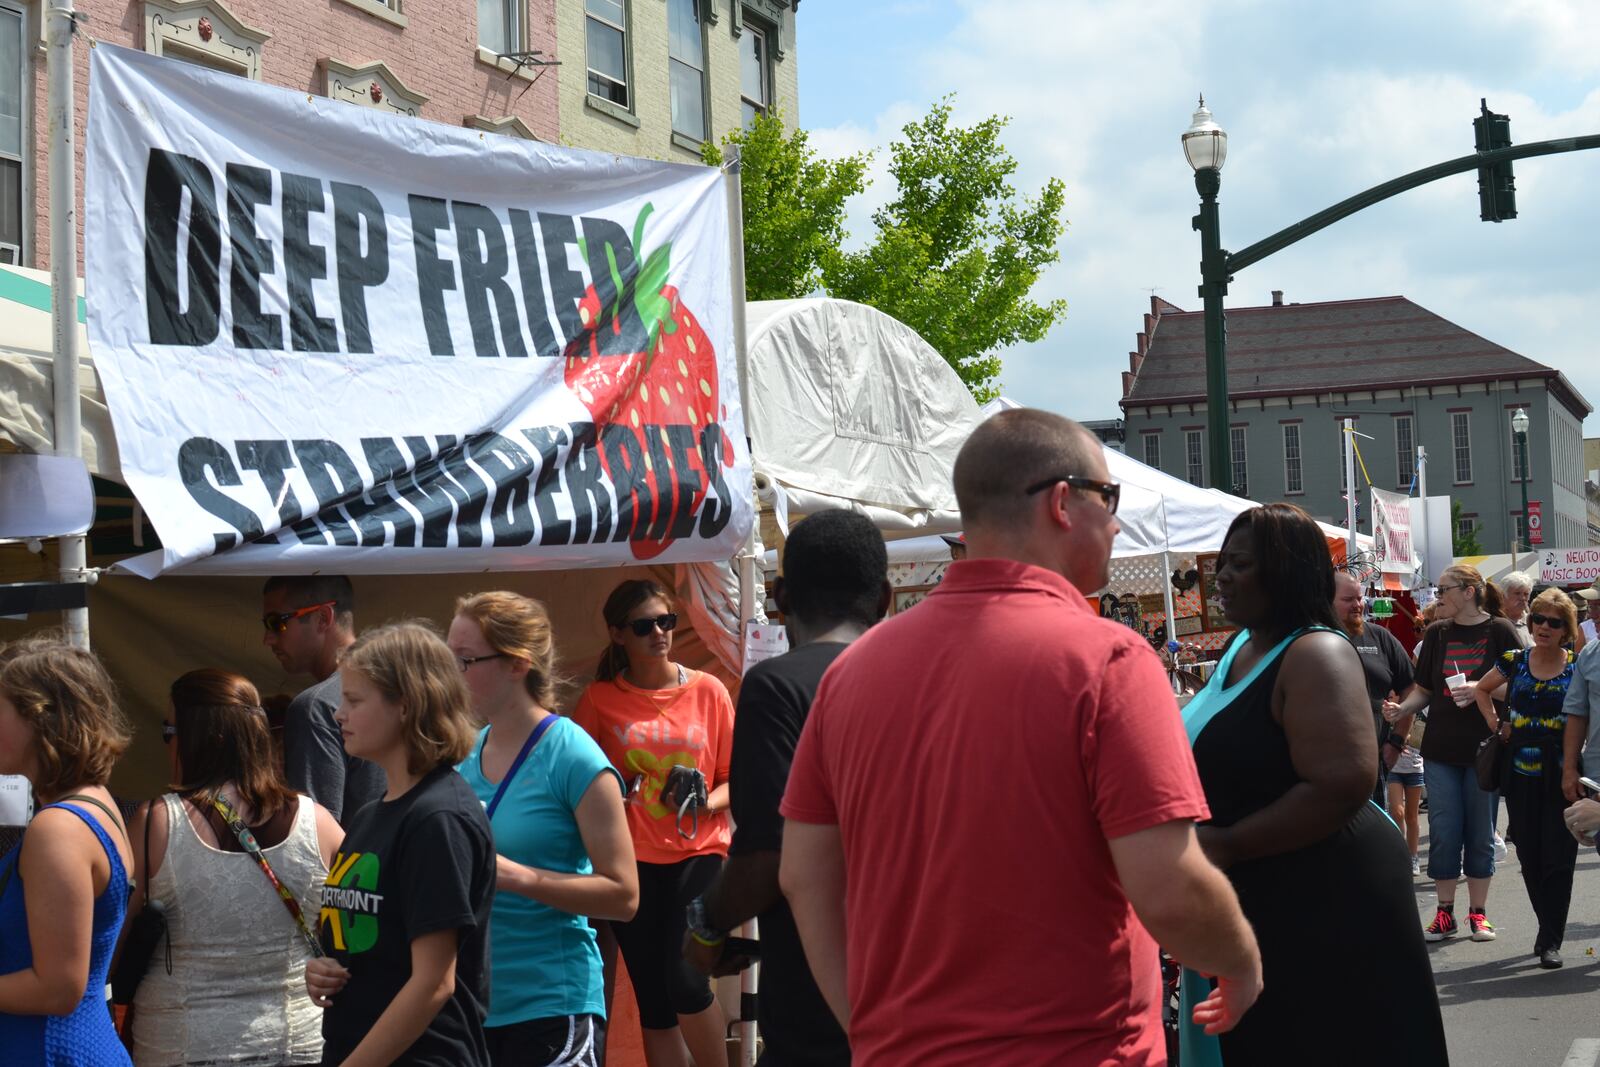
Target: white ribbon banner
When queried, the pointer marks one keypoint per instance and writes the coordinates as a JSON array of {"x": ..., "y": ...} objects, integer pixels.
[
  {"x": 1391, "y": 532},
  {"x": 333, "y": 338}
]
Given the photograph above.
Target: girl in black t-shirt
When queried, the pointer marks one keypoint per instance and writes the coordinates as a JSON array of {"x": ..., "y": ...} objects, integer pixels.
[{"x": 405, "y": 911}]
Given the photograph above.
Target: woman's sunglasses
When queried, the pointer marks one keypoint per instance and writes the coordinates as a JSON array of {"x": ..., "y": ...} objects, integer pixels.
[
  {"x": 1535, "y": 619},
  {"x": 643, "y": 627},
  {"x": 168, "y": 732}
]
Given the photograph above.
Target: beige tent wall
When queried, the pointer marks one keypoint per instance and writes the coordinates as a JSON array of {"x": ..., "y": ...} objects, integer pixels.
[{"x": 150, "y": 632}]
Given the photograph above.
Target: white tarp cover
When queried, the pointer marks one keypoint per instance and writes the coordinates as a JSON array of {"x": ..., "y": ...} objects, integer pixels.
[
  {"x": 850, "y": 404},
  {"x": 343, "y": 339}
]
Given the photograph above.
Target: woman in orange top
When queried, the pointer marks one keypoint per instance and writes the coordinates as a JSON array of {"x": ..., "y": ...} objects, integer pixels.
[{"x": 650, "y": 715}]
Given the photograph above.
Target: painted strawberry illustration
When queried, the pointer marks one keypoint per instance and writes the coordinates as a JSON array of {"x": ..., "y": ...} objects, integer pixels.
[{"x": 673, "y": 381}]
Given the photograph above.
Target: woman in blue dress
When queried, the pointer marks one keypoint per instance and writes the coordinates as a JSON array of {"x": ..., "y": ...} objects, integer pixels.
[
  {"x": 64, "y": 887},
  {"x": 1283, "y": 742},
  {"x": 1538, "y": 678}
]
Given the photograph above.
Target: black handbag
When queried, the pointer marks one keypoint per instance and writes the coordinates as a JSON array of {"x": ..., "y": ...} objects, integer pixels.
[
  {"x": 1491, "y": 762},
  {"x": 145, "y": 932}
]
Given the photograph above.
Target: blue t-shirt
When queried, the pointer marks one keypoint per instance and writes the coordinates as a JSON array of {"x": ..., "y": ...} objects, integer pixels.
[{"x": 546, "y": 963}]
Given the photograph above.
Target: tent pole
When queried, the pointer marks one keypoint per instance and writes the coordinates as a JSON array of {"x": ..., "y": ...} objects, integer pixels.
[
  {"x": 1166, "y": 590},
  {"x": 60, "y": 24},
  {"x": 749, "y": 978},
  {"x": 1350, "y": 489}
]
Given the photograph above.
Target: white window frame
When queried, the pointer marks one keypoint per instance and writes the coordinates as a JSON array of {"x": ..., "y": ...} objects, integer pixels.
[
  {"x": 1405, "y": 459},
  {"x": 17, "y": 253},
  {"x": 705, "y": 91},
  {"x": 1152, "y": 457},
  {"x": 1517, "y": 531},
  {"x": 1468, "y": 524},
  {"x": 1239, "y": 460},
  {"x": 1294, "y": 482},
  {"x": 627, "y": 57},
  {"x": 1194, "y": 457},
  {"x": 1461, "y": 445},
  {"x": 515, "y": 14},
  {"x": 173, "y": 28},
  {"x": 761, "y": 107}
]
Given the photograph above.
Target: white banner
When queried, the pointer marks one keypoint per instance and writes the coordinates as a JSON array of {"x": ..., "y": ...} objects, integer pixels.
[
  {"x": 333, "y": 338},
  {"x": 1569, "y": 566},
  {"x": 1391, "y": 532}
]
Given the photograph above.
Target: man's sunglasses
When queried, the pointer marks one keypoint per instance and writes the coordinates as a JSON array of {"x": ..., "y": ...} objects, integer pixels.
[
  {"x": 278, "y": 621},
  {"x": 642, "y": 627},
  {"x": 1110, "y": 492},
  {"x": 1535, "y": 619}
]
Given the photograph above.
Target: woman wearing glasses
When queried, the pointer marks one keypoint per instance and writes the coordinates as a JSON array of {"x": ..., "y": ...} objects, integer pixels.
[
  {"x": 229, "y": 983},
  {"x": 650, "y": 715},
  {"x": 1468, "y": 637},
  {"x": 1537, "y": 679},
  {"x": 555, "y": 805}
]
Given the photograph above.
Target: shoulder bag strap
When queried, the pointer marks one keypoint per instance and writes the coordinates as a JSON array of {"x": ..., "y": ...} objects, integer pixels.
[
  {"x": 247, "y": 841},
  {"x": 516, "y": 764},
  {"x": 116, "y": 820}
]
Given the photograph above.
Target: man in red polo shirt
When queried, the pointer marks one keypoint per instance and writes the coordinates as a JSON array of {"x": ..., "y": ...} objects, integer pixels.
[{"x": 993, "y": 798}]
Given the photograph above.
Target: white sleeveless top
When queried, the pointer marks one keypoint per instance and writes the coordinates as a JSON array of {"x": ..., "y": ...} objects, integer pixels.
[{"x": 237, "y": 991}]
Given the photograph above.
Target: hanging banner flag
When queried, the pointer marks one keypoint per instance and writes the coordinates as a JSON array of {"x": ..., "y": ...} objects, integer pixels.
[
  {"x": 333, "y": 338},
  {"x": 1535, "y": 522},
  {"x": 1391, "y": 532}
]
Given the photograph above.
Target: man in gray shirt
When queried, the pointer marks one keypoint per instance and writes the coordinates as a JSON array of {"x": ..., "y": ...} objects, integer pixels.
[
  {"x": 1580, "y": 743},
  {"x": 309, "y": 621}
]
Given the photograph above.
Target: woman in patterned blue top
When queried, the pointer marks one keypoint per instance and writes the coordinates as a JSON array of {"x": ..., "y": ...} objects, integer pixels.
[
  {"x": 64, "y": 888},
  {"x": 1537, "y": 679}
]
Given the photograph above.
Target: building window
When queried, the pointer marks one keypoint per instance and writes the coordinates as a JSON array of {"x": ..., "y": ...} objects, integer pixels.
[
  {"x": 371, "y": 85},
  {"x": 1194, "y": 457},
  {"x": 1152, "y": 450},
  {"x": 607, "y": 29},
  {"x": 500, "y": 25},
  {"x": 13, "y": 126},
  {"x": 205, "y": 33},
  {"x": 1405, "y": 453},
  {"x": 754, "y": 76},
  {"x": 1461, "y": 445},
  {"x": 1292, "y": 480},
  {"x": 1517, "y": 470},
  {"x": 1240, "y": 461},
  {"x": 686, "y": 50},
  {"x": 1517, "y": 530},
  {"x": 1467, "y": 526}
]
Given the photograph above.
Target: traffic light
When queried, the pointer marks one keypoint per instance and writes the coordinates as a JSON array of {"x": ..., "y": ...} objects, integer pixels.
[{"x": 1497, "y": 189}]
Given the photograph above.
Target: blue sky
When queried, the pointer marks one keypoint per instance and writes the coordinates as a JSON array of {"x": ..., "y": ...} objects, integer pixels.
[{"x": 1319, "y": 100}]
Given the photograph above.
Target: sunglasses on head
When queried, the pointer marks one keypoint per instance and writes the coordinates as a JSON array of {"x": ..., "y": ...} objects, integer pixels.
[
  {"x": 642, "y": 627},
  {"x": 1535, "y": 619},
  {"x": 1110, "y": 492},
  {"x": 168, "y": 732},
  {"x": 278, "y": 621}
]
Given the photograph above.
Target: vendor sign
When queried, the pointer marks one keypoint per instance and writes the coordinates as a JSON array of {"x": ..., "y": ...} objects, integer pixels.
[
  {"x": 1391, "y": 532},
  {"x": 1569, "y": 566},
  {"x": 335, "y": 338}
]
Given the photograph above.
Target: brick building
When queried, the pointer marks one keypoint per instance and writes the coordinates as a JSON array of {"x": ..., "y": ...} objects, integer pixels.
[
  {"x": 1407, "y": 377},
  {"x": 656, "y": 78},
  {"x": 409, "y": 58}
]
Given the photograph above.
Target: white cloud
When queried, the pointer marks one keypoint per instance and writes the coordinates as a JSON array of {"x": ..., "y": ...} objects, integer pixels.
[{"x": 1320, "y": 101}]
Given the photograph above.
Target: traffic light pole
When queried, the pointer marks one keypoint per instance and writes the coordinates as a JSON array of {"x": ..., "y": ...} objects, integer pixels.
[{"x": 1218, "y": 266}]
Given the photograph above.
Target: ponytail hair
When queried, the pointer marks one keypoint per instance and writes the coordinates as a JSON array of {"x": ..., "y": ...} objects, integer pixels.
[
  {"x": 623, "y": 599},
  {"x": 1485, "y": 593}
]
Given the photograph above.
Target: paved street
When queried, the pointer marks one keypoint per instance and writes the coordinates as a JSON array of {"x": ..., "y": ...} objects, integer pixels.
[{"x": 1500, "y": 1009}]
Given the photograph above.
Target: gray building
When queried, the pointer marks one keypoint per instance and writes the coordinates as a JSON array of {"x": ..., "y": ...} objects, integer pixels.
[{"x": 1405, "y": 375}]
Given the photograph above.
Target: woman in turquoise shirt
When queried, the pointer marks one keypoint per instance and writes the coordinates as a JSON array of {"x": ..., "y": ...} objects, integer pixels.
[{"x": 555, "y": 805}]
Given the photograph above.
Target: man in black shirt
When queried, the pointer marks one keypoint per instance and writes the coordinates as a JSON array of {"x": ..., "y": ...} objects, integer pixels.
[
  {"x": 1383, "y": 659},
  {"x": 834, "y": 587}
]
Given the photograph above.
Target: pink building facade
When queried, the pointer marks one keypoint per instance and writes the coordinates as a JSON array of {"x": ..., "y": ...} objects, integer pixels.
[{"x": 440, "y": 60}]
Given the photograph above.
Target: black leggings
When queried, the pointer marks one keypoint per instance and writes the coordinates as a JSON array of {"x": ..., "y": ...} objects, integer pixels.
[
  {"x": 1546, "y": 849},
  {"x": 652, "y": 941}
]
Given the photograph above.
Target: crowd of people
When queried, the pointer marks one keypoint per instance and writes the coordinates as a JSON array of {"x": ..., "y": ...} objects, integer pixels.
[{"x": 963, "y": 830}]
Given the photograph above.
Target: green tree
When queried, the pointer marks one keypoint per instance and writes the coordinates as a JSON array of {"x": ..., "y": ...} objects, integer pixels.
[
  {"x": 1462, "y": 544},
  {"x": 957, "y": 252},
  {"x": 794, "y": 206}
]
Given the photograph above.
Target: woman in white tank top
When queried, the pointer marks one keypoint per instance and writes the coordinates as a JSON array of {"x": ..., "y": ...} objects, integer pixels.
[{"x": 234, "y": 990}]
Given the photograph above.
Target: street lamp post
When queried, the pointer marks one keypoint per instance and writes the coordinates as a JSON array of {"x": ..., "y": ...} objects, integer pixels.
[
  {"x": 1206, "y": 146},
  {"x": 1519, "y": 426}
]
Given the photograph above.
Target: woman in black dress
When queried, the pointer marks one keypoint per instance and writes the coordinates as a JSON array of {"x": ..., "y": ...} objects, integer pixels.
[{"x": 1283, "y": 741}]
